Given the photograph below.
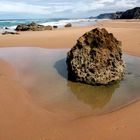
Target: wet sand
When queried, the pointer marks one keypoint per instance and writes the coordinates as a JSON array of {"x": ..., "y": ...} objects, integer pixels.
[{"x": 22, "y": 118}]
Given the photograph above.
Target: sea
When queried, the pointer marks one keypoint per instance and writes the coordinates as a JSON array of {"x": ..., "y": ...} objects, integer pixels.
[{"x": 11, "y": 24}]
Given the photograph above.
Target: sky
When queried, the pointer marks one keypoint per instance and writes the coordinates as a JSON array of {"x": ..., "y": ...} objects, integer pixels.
[{"x": 62, "y": 8}]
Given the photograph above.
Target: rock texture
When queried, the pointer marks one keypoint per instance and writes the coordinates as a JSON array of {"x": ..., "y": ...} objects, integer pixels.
[
  {"x": 131, "y": 14},
  {"x": 96, "y": 59},
  {"x": 68, "y": 25},
  {"x": 33, "y": 27}
]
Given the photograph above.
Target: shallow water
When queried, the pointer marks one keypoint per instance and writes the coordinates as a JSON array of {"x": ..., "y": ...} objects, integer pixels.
[{"x": 43, "y": 74}]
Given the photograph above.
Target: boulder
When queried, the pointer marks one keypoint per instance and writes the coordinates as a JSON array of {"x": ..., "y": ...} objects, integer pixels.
[
  {"x": 68, "y": 25},
  {"x": 96, "y": 59},
  {"x": 32, "y": 27}
]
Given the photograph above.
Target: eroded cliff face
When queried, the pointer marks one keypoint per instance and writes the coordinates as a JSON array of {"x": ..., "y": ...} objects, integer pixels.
[{"x": 96, "y": 59}]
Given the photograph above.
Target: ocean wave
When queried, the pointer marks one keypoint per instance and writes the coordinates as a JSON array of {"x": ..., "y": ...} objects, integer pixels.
[
  {"x": 12, "y": 24},
  {"x": 77, "y": 22}
]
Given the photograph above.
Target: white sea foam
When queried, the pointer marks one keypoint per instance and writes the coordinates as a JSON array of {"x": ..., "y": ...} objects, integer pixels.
[
  {"x": 12, "y": 24},
  {"x": 74, "y": 22}
]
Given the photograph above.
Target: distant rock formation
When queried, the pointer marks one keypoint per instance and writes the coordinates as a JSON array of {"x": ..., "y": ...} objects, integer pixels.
[
  {"x": 131, "y": 14},
  {"x": 32, "y": 27},
  {"x": 96, "y": 59},
  {"x": 68, "y": 25},
  {"x": 116, "y": 15}
]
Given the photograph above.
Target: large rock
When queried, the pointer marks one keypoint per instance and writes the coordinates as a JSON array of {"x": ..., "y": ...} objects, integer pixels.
[
  {"x": 96, "y": 59},
  {"x": 32, "y": 27}
]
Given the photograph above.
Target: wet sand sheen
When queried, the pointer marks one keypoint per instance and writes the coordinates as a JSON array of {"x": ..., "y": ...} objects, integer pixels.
[{"x": 42, "y": 72}]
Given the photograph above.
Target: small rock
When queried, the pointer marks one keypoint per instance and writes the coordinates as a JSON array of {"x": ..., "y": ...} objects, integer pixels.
[
  {"x": 55, "y": 27},
  {"x": 6, "y": 28},
  {"x": 48, "y": 27},
  {"x": 68, "y": 25}
]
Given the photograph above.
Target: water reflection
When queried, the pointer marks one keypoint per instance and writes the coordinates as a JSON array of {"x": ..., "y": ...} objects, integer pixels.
[
  {"x": 95, "y": 96},
  {"x": 43, "y": 73}
]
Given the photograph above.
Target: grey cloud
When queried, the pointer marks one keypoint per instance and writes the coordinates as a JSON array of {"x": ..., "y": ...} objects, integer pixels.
[{"x": 67, "y": 8}]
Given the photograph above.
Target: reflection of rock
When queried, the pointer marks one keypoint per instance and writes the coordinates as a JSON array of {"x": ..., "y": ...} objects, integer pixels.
[
  {"x": 96, "y": 59},
  {"x": 97, "y": 97},
  {"x": 32, "y": 27}
]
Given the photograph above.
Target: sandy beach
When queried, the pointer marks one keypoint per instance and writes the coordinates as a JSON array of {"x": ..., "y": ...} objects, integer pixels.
[
  {"x": 22, "y": 119},
  {"x": 126, "y": 31}
]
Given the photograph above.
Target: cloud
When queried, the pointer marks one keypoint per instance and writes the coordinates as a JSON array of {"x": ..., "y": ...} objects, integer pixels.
[
  {"x": 21, "y": 7},
  {"x": 75, "y": 7},
  {"x": 24, "y": 7}
]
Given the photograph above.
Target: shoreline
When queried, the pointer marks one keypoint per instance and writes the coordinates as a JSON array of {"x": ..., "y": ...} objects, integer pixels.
[
  {"x": 60, "y": 23},
  {"x": 66, "y": 37}
]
